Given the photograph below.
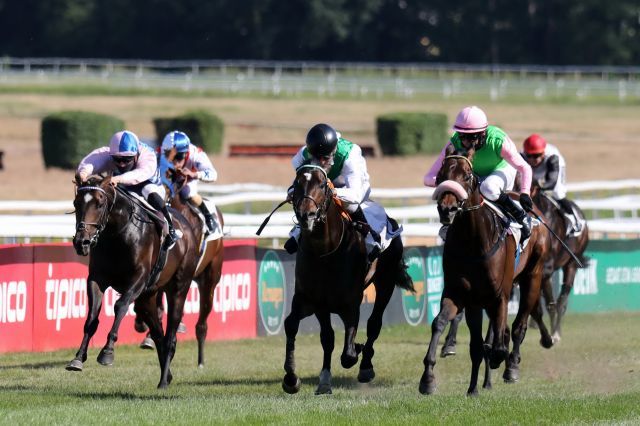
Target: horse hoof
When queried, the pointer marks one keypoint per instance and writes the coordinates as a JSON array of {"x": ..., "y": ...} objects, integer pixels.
[
  {"x": 74, "y": 365},
  {"x": 487, "y": 386},
  {"x": 147, "y": 343},
  {"x": 447, "y": 351},
  {"x": 200, "y": 366},
  {"x": 546, "y": 342},
  {"x": 162, "y": 385},
  {"x": 181, "y": 328},
  {"x": 323, "y": 390},
  {"x": 511, "y": 375},
  {"x": 291, "y": 384},
  {"x": 366, "y": 375},
  {"x": 427, "y": 385},
  {"x": 105, "y": 358},
  {"x": 348, "y": 361},
  {"x": 473, "y": 393},
  {"x": 556, "y": 338},
  {"x": 140, "y": 326}
]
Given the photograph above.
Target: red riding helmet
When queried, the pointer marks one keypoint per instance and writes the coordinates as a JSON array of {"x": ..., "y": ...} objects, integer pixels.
[{"x": 534, "y": 144}]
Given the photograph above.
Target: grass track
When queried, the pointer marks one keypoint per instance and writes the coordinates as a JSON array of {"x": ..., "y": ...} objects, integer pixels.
[{"x": 593, "y": 376}]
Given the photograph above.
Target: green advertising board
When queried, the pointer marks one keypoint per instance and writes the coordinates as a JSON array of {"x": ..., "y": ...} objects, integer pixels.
[
  {"x": 435, "y": 281},
  {"x": 414, "y": 305},
  {"x": 272, "y": 286}
]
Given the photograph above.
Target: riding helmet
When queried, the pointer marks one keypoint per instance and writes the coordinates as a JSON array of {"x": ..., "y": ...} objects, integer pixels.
[
  {"x": 471, "y": 120},
  {"x": 176, "y": 139},
  {"x": 534, "y": 144},
  {"x": 124, "y": 144},
  {"x": 322, "y": 140}
]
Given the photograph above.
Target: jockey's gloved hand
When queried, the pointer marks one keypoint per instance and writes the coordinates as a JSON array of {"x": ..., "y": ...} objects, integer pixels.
[{"x": 526, "y": 202}]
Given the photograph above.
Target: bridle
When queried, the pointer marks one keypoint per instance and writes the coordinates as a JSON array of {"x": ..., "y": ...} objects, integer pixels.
[
  {"x": 472, "y": 179},
  {"x": 104, "y": 214},
  {"x": 321, "y": 208}
]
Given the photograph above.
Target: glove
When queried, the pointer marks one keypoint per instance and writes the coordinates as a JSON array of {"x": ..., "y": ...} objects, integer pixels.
[{"x": 526, "y": 202}]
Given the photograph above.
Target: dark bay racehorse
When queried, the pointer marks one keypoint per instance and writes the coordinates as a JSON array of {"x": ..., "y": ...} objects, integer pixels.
[
  {"x": 480, "y": 264},
  {"x": 558, "y": 257},
  {"x": 210, "y": 254},
  {"x": 331, "y": 275},
  {"x": 123, "y": 243}
]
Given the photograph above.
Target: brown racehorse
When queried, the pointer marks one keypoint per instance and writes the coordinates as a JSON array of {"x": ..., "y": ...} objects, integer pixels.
[
  {"x": 331, "y": 269},
  {"x": 123, "y": 243},
  {"x": 480, "y": 265},
  {"x": 559, "y": 257}
]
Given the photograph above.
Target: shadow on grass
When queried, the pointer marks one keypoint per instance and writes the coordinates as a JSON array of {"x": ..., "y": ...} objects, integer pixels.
[
  {"x": 336, "y": 381},
  {"x": 34, "y": 365},
  {"x": 123, "y": 396}
]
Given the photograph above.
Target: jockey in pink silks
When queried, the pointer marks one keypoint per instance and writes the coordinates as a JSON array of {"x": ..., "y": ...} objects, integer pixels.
[
  {"x": 134, "y": 166},
  {"x": 496, "y": 162}
]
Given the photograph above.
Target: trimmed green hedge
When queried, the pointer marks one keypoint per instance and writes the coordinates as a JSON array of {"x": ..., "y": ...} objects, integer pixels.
[
  {"x": 204, "y": 129},
  {"x": 406, "y": 133},
  {"x": 70, "y": 135}
]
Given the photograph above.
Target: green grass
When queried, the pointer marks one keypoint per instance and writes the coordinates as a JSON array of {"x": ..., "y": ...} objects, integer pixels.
[{"x": 592, "y": 376}]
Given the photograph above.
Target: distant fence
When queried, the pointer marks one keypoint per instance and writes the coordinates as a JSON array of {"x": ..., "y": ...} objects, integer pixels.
[
  {"x": 328, "y": 79},
  {"x": 613, "y": 215}
]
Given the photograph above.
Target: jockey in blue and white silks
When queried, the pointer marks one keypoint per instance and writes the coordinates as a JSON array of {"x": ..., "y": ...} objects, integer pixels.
[
  {"x": 347, "y": 169},
  {"x": 134, "y": 166},
  {"x": 194, "y": 165}
]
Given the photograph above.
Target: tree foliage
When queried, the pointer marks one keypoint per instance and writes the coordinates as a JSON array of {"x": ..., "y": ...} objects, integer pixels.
[{"x": 465, "y": 31}]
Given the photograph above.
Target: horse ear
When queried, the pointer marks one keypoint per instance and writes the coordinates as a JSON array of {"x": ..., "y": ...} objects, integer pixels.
[{"x": 450, "y": 150}]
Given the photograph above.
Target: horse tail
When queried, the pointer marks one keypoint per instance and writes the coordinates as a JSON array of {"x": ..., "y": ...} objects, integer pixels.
[{"x": 403, "y": 280}]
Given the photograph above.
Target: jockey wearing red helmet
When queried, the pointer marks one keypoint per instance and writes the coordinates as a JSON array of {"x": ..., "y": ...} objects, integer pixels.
[{"x": 549, "y": 173}]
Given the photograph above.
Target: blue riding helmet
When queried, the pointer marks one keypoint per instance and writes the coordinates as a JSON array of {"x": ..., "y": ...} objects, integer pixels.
[
  {"x": 124, "y": 144},
  {"x": 176, "y": 139}
]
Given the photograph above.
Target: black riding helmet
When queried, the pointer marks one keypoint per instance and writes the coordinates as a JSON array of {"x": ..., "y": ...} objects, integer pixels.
[{"x": 322, "y": 140}]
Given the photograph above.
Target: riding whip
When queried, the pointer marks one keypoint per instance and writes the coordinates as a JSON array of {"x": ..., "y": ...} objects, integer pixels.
[{"x": 566, "y": 247}]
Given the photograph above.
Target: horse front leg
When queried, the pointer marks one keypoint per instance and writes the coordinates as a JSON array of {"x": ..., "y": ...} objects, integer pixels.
[
  {"x": 327, "y": 339},
  {"x": 448, "y": 311},
  {"x": 546, "y": 341},
  {"x": 568, "y": 276},
  {"x": 206, "y": 304},
  {"x": 500, "y": 346},
  {"x": 350, "y": 351},
  {"x": 529, "y": 299},
  {"x": 175, "y": 307},
  {"x": 486, "y": 384},
  {"x": 106, "y": 355},
  {"x": 146, "y": 311},
  {"x": 449, "y": 346},
  {"x": 94, "y": 296},
  {"x": 291, "y": 382}
]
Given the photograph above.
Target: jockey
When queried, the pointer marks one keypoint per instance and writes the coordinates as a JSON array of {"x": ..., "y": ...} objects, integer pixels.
[
  {"x": 134, "y": 166},
  {"x": 496, "y": 162},
  {"x": 549, "y": 167},
  {"x": 347, "y": 169},
  {"x": 194, "y": 165}
]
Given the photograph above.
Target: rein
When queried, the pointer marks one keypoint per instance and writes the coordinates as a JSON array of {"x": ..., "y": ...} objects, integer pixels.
[{"x": 104, "y": 215}]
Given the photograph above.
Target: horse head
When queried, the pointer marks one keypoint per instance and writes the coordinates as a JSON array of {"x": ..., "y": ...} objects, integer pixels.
[
  {"x": 171, "y": 180},
  {"x": 311, "y": 196},
  {"x": 456, "y": 184},
  {"x": 93, "y": 202}
]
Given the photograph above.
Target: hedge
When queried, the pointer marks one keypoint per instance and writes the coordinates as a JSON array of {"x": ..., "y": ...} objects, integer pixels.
[
  {"x": 406, "y": 133},
  {"x": 68, "y": 136},
  {"x": 204, "y": 129}
]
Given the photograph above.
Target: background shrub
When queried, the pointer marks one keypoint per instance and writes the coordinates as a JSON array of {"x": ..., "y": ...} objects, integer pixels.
[
  {"x": 406, "y": 133},
  {"x": 203, "y": 128},
  {"x": 68, "y": 136}
]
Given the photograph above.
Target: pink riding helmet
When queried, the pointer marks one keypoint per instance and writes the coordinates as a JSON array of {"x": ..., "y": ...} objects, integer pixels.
[{"x": 471, "y": 120}]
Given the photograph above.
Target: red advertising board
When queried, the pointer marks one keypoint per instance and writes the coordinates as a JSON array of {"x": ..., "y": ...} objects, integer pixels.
[
  {"x": 43, "y": 299},
  {"x": 16, "y": 298}
]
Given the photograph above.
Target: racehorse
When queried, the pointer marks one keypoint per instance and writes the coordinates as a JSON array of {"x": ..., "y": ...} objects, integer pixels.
[
  {"x": 559, "y": 257},
  {"x": 331, "y": 275},
  {"x": 209, "y": 252},
  {"x": 480, "y": 264},
  {"x": 123, "y": 243}
]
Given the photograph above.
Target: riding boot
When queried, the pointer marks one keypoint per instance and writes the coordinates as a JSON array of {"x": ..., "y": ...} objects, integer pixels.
[
  {"x": 291, "y": 245},
  {"x": 567, "y": 209},
  {"x": 517, "y": 213},
  {"x": 360, "y": 220},
  {"x": 208, "y": 217},
  {"x": 157, "y": 203}
]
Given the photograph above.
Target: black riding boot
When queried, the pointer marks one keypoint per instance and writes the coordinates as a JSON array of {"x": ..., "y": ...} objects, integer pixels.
[
  {"x": 517, "y": 213},
  {"x": 156, "y": 202},
  {"x": 291, "y": 245},
  {"x": 359, "y": 218},
  {"x": 567, "y": 208},
  {"x": 208, "y": 217}
]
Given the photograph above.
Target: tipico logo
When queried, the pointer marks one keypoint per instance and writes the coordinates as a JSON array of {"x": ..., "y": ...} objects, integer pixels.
[
  {"x": 414, "y": 305},
  {"x": 66, "y": 298},
  {"x": 13, "y": 301},
  {"x": 271, "y": 292}
]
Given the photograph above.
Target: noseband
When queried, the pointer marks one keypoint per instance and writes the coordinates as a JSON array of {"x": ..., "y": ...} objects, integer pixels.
[
  {"x": 472, "y": 178},
  {"x": 321, "y": 208},
  {"x": 104, "y": 214}
]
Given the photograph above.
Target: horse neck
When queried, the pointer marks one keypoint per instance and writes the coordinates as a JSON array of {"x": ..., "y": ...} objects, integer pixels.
[
  {"x": 328, "y": 236},
  {"x": 477, "y": 226}
]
